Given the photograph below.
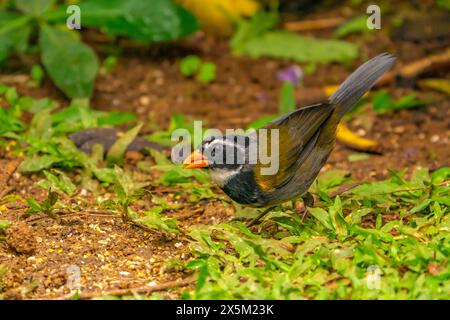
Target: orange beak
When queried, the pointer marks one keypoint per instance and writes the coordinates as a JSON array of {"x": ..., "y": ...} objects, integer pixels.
[{"x": 195, "y": 161}]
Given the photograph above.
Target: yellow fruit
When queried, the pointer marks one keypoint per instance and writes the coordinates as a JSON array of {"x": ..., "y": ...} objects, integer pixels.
[
  {"x": 218, "y": 16},
  {"x": 346, "y": 136}
]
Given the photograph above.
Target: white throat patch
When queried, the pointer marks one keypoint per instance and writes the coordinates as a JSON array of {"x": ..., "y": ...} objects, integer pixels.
[{"x": 221, "y": 176}]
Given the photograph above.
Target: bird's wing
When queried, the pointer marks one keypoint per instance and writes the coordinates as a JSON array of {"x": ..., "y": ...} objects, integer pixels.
[{"x": 298, "y": 131}]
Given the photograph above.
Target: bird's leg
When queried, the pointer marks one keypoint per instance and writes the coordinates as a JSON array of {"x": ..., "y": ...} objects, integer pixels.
[
  {"x": 308, "y": 201},
  {"x": 259, "y": 217}
]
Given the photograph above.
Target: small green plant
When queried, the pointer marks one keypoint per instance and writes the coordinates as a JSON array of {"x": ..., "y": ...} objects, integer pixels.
[
  {"x": 46, "y": 206},
  {"x": 37, "y": 74},
  {"x": 57, "y": 180},
  {"x": 383, "y": 102},
  {"x": 355, "y": 25},
  {"x": 177, "y": 121},
  {"x": 128, "y": 191},
  {"x": 4, "y": 224},
  {"x": 155, "y": 219},
  {"x": 109, "y": 64},
  {"x": 189, "y": 65},
  {"x": 72, "y": 65},
  {"x": 205, "y": 72},
  {"x": 45, "y": 143}
]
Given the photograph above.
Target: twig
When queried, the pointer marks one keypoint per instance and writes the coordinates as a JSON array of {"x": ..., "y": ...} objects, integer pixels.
[
  {"x": 412, "y": 70},
  {"x": 443, "y": 183},
  {"x": 343, "y": 189},
  {"x": 14, "y": 78},
  {"x": 189, "y": 214},
  {"x": 5, "y": 192},
  {"x": 316, "y": 24},
  {"x": 259, "y": 217},
  {"x": 121, "y": 292}
]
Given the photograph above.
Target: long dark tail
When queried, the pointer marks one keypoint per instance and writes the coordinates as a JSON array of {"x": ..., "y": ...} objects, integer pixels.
[{"x": 360, "y": 81}]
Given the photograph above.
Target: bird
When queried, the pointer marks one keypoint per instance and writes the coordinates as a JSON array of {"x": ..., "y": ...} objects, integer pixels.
[{"x": 306, "y": 138}]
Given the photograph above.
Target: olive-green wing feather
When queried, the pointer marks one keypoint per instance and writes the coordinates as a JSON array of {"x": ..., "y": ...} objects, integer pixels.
[{"x": 297, "y": 132}]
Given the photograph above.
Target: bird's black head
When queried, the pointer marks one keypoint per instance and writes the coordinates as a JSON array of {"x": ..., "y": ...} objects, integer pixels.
[{"x": 225, "y": 156}]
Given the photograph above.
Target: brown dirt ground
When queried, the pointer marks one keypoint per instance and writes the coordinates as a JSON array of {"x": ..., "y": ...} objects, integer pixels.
[{"x": 112, "y": 254}]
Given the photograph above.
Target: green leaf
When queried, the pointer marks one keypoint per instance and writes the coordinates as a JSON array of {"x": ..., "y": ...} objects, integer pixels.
[
  {"x": 34, "y": 206},
  {"x": 358, "y": 24},
  {"x": 33, "y": 7},
  {"x": 421, "y": 206},
  {"x": 189, "y": 65},
  {"x": 4, "y": 224},
  {"x": 354, "y": 157},
  {"x": 175, "y": 174},
  {"x": 287, "y": 98},
  {"x": 337, "y": 219},
  {"x": 118, "y": 149},
  {"x": 259, "y": 24},
  {"x": 14, "y": 33},
  {"x": 72, "y": 65},
  {"x": 383, "y": 102},
  {"x": 37, "y": 163},
  {"x": 37, "y": 74},
  {"x": 443, "y": 4},
  {"x": 114, "y": 118},
  {"x": 323, "y": 216},
  {"x": 77, "y": 117},
  {"x": 440, "y": 175},
  {"x": 109, "y": 63},
  {"x": 62, "y": 182},
  {"x": 51, "y": 200},
  {"x": 331, "y": 179},
  {"x": 154, "y": 219},
  {"x": 160, "y": 158},
  {"x": 281, "y": 44},
  {"x": 10, "y": 121},
  {"x": 207, "y": 72},
  {"x": 145, "y": 21}
]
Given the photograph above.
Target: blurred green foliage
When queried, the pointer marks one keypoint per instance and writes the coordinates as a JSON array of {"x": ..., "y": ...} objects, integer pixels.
[
  {"x": 191, "y": 65},
  {"x": 72, "y": 65},
  {"x": 256, "y": 38},
  {"x": 383, "y": 102}
]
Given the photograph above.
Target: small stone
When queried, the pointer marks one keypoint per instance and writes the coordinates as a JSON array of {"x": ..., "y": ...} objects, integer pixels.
[
  {"x": 435, "y": 138},
  {"x": 21, "y": 238},
  {"x": 361, "y": 132},
  {"x": 144, "y": 100},
  {"x": 178, "y": 245},
  {"x": 399, "y": 129}
]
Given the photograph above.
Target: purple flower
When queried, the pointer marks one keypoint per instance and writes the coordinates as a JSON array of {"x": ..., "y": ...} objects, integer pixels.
[
  {"x": 410, "y": 152},
  {"x": 293, "y": 74}
]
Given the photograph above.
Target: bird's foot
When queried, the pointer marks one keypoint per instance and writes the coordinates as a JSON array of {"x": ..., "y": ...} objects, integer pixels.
[
  {"x": 259, "y": 217},
  {"x": 308, "y": 201}
]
